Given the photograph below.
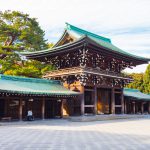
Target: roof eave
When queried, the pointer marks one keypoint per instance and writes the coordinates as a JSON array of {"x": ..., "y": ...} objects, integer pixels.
[
  {"x": 145, "y": 60},
  {"x": 83, "y": 39},
  {"x": 53, "y": 50}
]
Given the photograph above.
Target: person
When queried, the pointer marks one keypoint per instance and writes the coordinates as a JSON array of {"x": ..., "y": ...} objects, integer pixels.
[{"x": 30, "y": 115}]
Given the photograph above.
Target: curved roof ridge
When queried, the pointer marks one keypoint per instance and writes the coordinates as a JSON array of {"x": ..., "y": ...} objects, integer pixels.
[{"x": 85, "y": 32}]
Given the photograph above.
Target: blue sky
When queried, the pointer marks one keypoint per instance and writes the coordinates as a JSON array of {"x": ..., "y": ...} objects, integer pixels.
[{"x": 126, "y": 22}]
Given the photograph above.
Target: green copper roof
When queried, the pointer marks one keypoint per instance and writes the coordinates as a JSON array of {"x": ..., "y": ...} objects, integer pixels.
[
  {"x": 112, "y": 47},
  {"x": 102, "y": 41},
  {"x": 136, "y": 94},
  {"x": 80, "y": 34},
  {"x": 23, "y": 85}
]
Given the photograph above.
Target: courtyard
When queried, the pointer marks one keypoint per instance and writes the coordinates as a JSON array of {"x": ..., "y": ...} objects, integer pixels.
[{"x": 61, "y": 134}]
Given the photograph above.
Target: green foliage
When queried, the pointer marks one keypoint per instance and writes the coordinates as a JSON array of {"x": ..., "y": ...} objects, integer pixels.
[
  {"x": 50, "y": 45},
  {"x": 141, "y": 81},
  {"x": 138, "y": 80},
  {"x": 17, "y": 67},
  {"x": 20, "y": 32},
  {"x": 146, "y": 80}
]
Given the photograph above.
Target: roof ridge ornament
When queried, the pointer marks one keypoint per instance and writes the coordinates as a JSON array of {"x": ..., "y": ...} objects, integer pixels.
[{"x": 67, "y": 25}]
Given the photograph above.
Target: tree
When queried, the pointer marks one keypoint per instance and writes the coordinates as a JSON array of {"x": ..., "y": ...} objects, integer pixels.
[
  {"x": 50, "y": 45},
  {"x": 146, "y": 80},
  {"x": 137, "y": 81},
  {"x": 141, "y": 81},
  {"x": 29, "y": 68},
  {"x": 19, "y": 32}
]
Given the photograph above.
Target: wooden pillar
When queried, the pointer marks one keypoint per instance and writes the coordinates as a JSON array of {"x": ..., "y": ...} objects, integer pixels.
[
  {"x": 82, "y": 100},
  {"x": 20, "y": 109},
  {"x": 112, "y": 101},
  {"x": 95, "y": 100},
  {"x": 62, "y": 101},
  {"x": 142, "y": 107},
  {"x": 149, "y": 107},
  {"x": 122, "y": 102},
  {"x": 6, "y": 107},
  {"x": 133, "y": 107},
  {"x": 136, "y": 107},
  {"x": 43, "y": 108},
  {"x": 125, "y": 106}
]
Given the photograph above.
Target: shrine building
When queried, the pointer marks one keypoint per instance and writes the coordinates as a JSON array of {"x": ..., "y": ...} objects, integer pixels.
[
  {"x": 87, "y": 79},
  {"x": 90, "y": 64}
]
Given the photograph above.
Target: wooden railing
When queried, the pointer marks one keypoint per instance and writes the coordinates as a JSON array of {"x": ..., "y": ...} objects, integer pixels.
[{"x": 81, "y": 70}]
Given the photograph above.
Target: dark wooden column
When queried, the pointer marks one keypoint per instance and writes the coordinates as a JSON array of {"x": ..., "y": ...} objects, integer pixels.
[
  {"x": 112, "y": 101},
  {"x": 148, "y": 103},
  {"x": 82, "y": 100},
  {"x": 95, "y": 100},
  {"x": 125, "y": 106},
  {"x": 133, "y": 107},
  {"x": 122, "y": 102},
  {"x": 142, "y": 107},
  {"x": 6, "y": 106},
  {"x": 20, "y": 109},
  {"x": 43, "y": 108},
  {"x": 149, "y": 107},
  {"x": 62, "y": 101}
]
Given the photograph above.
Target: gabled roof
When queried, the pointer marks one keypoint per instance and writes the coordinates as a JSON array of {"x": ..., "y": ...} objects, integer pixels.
[
  {"x": 80, "y": 34},
  {"x": 136, "y": 94},
  {"x": 102, "y": 41},
  {"x": 35, "y": 86}
]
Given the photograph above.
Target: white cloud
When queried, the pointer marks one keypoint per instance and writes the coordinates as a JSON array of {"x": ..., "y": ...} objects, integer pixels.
[
  {"x": 124, "y": 21},
  {"x": 138, "y": 44},
  {"x": 138, "y": 69}
]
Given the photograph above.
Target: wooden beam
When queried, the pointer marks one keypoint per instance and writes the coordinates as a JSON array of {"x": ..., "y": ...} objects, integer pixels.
[
  {"x": 118, "y": 106},
  {"x": 80, "y": 70},
  {"x": 119, "y": 92},
  {"x": 92, "y": 90},
  {"x": 89, "y": 105}
]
